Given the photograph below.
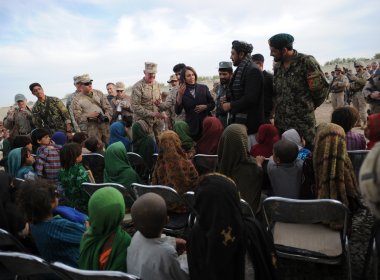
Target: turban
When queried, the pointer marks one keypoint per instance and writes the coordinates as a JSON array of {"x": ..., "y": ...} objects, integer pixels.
[
  {"x": 241, "y": 46},
  {"x": 280, "y": 41}
]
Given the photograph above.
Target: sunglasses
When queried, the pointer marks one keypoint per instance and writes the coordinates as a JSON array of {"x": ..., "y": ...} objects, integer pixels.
[
  {"x": 87, "y": 84},
  {"x": 119, "y": 90}
]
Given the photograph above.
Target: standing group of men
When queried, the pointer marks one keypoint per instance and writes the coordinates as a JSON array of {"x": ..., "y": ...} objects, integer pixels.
[
  {"x": 362, "y": 87},
  {"x": 243, "y": 96}
]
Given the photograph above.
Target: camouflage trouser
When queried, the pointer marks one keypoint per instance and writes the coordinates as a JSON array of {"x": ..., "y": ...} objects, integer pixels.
[
  {"x": 337, "y": 99},
  {"x": 99, "y": 130},
  {"x": 375, "y": 108},
  {"x": 360, "y": 104}
]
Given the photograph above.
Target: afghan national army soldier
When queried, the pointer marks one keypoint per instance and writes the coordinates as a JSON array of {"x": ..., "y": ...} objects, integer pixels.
[
  {"x": 92, "y": 110},
  {"x": 356, "y": 86},
  {"x": 145, "y": 94},
  {"x": 371, "y": 92},
  {"x": 338, "y": 87},
  {"x": 49, "y": 112},
  {"x": 300, "y": 87}
]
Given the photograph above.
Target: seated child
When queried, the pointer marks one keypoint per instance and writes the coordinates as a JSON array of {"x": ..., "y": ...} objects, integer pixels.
[
  {"x": 80, "y": 138},
  {"x": 347, "y": 117},
  {"x": 22, "y": 141},
  {"x": 292, "y": 135},
  {"x": 47, "y": 162},
  {"x": 372, "y": 131},
  {"x": 72, "y": 175},
  {"x": 59, "y": 138},
  {"x": 151, "y": 254},
  {"x": 266, "y": 136},
  {"x": 95, "y": 163},
  {"x": 56, "y": 238},
  {"x": 104, "y": 245},
  {"x": 94, "y": 145},
  {"x": 20, "y": 164},
  {"x": 284, "y": 170}
]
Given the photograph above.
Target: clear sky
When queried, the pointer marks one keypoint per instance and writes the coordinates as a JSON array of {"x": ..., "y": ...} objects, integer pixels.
[{"x": 50, "y": 41}]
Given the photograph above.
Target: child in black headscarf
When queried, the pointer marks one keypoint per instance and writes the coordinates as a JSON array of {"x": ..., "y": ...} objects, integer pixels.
[{"x": 221, "y": 236}]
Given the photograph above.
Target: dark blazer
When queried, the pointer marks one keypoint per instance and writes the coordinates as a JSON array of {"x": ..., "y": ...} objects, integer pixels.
[
  {"x": 252, "y": 100},
  {"x": 193, "y": 119}
]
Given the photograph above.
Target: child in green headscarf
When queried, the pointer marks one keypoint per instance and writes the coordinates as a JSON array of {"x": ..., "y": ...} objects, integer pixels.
[{"x": 104, "y": 245}]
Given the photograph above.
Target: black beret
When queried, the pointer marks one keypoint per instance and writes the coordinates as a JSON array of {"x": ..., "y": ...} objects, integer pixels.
[
  {"x": 280, "y": 41},
  {"x": 34, "y": 85},
  {"x": 241, "y": 46}
]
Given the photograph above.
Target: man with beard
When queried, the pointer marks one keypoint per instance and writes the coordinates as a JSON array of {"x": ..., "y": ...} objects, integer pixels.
[
  {"x": 246, "y": 103},
  {"x": 222, "y": 90},
  {"x": 299, "y": 85}
]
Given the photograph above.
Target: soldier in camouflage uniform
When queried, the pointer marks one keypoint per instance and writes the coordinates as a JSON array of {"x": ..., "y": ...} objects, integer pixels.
[
  {"x": 121, "y": 104},
  {"x": 356, "y": 86},
  {"x": 92, "y": 110},
  {"x": 222, "y": 90},
  {"x": 371, "y": 92},
  {"x": 69, "y": 102},
  {"x": 19, "y": 119},
  {"x": 49, "y": 112},
  {"x": 338, "y": 87},
  {"x": 299, "y": 85},
  {"x": 145, "y": 94}
]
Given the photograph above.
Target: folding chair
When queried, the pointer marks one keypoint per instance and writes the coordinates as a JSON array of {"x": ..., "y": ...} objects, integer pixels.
[
  {"x": 139, "y": 165},
  {"x": 10, "y": 243},
  {"x": 95, "y": 162},
  {"x": 177, "y": 222},
  {"x": 70, "y": 273},
  {"x": 205, "y": 163},
  {"x": 357, "y": 157},
  {"x": 22, "y": 264},
  {"x": 300, "y": 229},
  {"x": 246, "y": 209},
  {"x": 127, "y": 193}
]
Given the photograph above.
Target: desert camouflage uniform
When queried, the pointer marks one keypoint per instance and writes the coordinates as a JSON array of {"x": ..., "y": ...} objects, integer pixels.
[
  {"x": 338, "y": 87},
  {"x": 358, "y": 99},
  {"x": 55, "y": 119},
  {"x": 70, "y": 109},
  {"x": 169, "y": 107},
  {"x": 143, "y": 98},
  {"x": 82, "y": 105},
  {"x": 19, "y": 122},
  {"x": 372, "y": 85},
  {"x": 299, "y": 90},
  {"x": 125, "y": 106}
]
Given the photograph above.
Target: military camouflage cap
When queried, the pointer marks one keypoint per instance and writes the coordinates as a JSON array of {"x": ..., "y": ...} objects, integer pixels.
[
  {"x": 369, "y": 180},
  {"x": 172, "y": 78},
  {"x": 281, "y": 40},
  {"x": 20, "y": 97},
  {"x": 76, "y": 79},
  {"x": 85, "y": 78},
  {"x": 359, "y": 63},
  {"x": 150, "y": 67},
  {"x": 337, "y": 68},
  {"x": 120, "y": 86},
  {"x": 225, "y": 65}
]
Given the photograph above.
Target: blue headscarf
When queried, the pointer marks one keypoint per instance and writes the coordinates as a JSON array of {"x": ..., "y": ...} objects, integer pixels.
[
  {"x": 117, "y": 133},
  {"x": 59, "y": 138},
  {"x": 14, "y": 161}
]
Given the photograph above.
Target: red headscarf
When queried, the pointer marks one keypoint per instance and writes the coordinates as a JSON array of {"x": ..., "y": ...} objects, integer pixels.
[
  {"x": 211, "y": 133},
  {"x": 373, "y": 129},
  {"x": 266, "y": 136}
]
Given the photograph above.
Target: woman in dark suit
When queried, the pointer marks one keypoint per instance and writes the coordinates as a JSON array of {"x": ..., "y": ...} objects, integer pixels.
[{"x": 195, "y": 99}]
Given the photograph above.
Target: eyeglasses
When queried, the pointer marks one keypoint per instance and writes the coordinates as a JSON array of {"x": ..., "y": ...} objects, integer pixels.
[{"x": 87, "y": 84}]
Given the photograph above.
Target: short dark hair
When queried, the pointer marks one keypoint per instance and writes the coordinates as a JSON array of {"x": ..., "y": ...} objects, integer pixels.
[
  {"x": 80, "y": 137},
  {"x": 38, "y": 134},
  {"x": 286, "y": 151},
  {"x": 183, "y": 72},
  {"x": 21, "y": 141},
  {"x": 258, "y": 57},
  {"x": 68, "y": 154},
  {"x": 91, "y": 144},
  {"x": 346, "y": 117},
  {"x": 34, "y": 199},
  {"x": 31, "y": 86},
  {"x": 149, "y": 214},
  {"x": 178, "y": 67},
  {"x": 110, "y": 83}
]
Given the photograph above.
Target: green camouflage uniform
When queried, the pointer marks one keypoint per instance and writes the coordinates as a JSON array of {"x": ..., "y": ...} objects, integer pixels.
[
  {"x": 55, "y": 118},
  {"x": 358, "y": 100},
  {"x": 299, "y": 90},
  {"x": 142, "y": 103},
  {"x": 372, "y": 85}
]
